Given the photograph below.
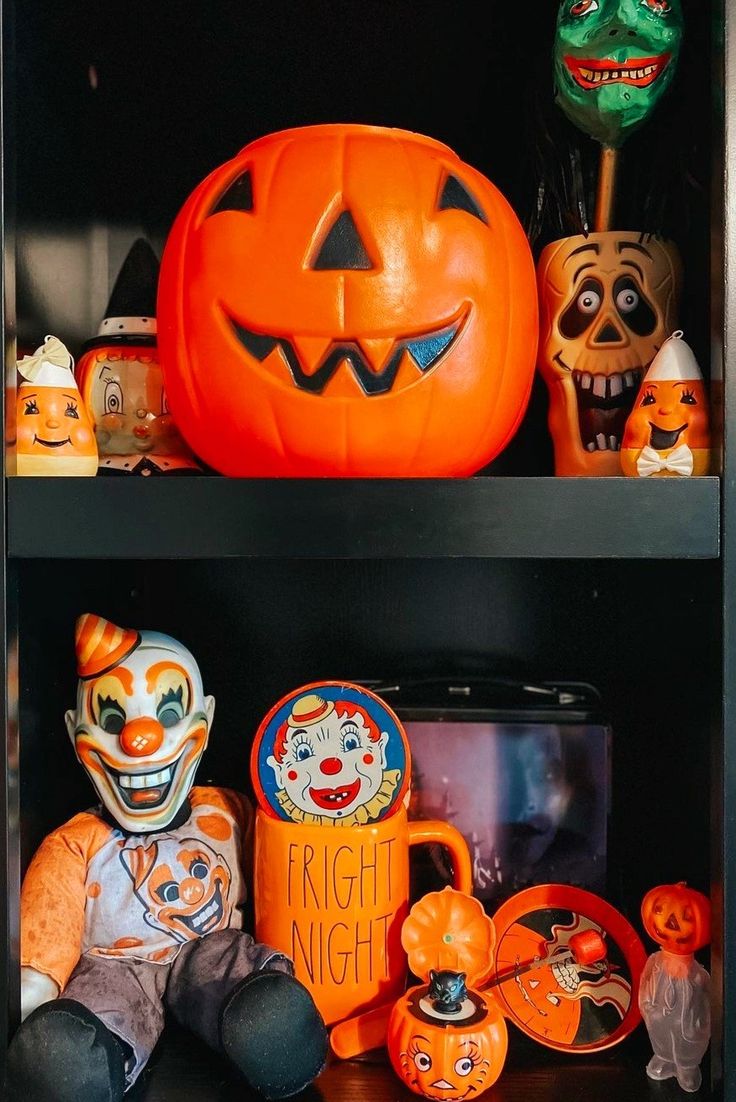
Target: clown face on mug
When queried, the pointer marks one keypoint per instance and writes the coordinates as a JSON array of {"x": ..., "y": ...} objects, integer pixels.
[{"x": 329, "y": 760}]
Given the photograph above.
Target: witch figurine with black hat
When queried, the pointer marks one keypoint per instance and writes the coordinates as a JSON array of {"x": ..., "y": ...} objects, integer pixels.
[{"x": 121, "y": 381}]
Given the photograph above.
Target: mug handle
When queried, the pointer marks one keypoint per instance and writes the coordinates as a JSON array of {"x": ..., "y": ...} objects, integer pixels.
[{"x": 435, "y": 832}]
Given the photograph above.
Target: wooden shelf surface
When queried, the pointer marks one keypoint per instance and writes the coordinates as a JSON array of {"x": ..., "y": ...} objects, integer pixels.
[
  {"x": 210, "y": 517},
  {"x": 183, "y": 1070}
]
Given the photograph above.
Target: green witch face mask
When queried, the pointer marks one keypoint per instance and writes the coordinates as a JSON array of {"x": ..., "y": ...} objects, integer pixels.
[{"x": 614, "y": 60}]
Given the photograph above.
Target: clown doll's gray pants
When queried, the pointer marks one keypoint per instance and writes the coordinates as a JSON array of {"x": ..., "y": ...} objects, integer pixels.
[{"x": 131, "y": 996}]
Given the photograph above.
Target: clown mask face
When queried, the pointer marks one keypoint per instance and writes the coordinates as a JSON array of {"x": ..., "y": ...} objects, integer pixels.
[
  {"x": 141, "y": 723},
  {"x": 608, "y": 301},
  {"x": 125, "y": 392},
  {"x": 183, "y": 886},
  {"x": 613, "y": 62},
  {"x": 329, "y": 758}
]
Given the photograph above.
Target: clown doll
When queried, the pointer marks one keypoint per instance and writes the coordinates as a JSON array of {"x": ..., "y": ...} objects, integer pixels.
[
  {"x": 329, "y": 761},
  {"x": 54, "y": 434},
  {"x": 121, "y": 380},
  {"x": 138, "y": 902},
  {"x": 667, "y": 434}
]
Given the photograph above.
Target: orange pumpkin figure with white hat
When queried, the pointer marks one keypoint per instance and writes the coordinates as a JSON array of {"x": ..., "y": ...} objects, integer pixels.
[
  {"x": 54, "y": 432},
  {"x": 137, "y": 903},
  {"x": 667, "y": 434}
]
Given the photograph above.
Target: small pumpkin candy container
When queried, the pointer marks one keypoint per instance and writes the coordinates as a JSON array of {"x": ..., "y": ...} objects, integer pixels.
[
  {"x": 54, "y": 432},
  {"x": 667, "y": 434},
  {"x": 446, "y": 1040}
]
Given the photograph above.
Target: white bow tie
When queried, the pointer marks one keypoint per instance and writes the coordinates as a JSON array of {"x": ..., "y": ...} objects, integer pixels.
[{"x": 650, "y": 462}]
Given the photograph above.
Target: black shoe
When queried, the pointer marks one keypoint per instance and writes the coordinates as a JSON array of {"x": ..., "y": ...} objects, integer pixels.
[
  {"x": 274, "y": 1034},
  {"x": 64, "y": 1053}
]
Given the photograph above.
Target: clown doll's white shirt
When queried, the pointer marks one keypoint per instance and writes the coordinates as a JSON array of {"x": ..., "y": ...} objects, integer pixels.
[
  {"x": 149, "y": 894},
  {"x": 93, "y": 889}
]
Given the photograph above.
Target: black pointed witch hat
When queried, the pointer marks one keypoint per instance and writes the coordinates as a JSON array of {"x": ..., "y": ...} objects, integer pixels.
[{"x": 130, "y": 317}]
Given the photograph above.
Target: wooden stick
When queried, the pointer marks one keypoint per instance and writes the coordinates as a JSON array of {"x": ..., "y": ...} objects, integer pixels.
[{"x": 606, "y": 187}]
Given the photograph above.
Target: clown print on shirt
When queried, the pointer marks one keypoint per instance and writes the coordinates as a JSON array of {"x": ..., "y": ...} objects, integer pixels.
[{"x": 143, "y": 895}]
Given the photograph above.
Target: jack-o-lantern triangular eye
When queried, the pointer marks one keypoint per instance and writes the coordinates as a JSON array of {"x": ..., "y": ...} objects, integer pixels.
[
  {"x": 455, "y": 196},
  {"x": 342, "y": 248},
  {"x": 239, "y": 196}
]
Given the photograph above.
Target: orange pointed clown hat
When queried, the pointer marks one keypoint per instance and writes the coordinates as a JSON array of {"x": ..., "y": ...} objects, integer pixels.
[{"x": 101, "y": 645}]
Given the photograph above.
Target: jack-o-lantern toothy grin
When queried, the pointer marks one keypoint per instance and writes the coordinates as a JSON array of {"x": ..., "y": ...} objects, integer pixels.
[{"x": 425, "y": 351}]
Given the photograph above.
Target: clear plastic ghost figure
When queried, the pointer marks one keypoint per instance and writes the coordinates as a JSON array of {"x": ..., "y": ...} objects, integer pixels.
[{"x": 674, "y": 993}]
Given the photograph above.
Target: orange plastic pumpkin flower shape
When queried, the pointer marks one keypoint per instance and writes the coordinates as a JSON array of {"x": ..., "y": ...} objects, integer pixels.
[
  {"x": 677, "y": 918},
  {"x": 449, "y": 930}
]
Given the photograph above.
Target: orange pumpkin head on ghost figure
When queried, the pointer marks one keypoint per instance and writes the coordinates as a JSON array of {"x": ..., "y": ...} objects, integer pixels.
[
  {"x": 677, "y": 918},
  {"x": 347, "y": 300}
]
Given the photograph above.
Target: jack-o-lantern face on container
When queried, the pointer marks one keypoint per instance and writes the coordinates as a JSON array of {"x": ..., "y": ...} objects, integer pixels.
[
  {"x": 677, "y": 918},
  {"x": 347, "y": 300},
  {"x": 448, "y": 1057},
  {"x": 608, "y": 301}
]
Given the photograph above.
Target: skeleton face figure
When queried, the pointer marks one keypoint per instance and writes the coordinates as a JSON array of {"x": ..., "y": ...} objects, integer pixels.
[
  {"x": 614, "y": 60},
  {"x": 608, "y": 301},
  {"x": 182, "y": 884},
  {"x": 141, "y": 723}
]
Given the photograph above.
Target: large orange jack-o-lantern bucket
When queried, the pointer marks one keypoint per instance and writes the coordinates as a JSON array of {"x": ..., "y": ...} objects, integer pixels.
[{"x": 347, "y": 300}]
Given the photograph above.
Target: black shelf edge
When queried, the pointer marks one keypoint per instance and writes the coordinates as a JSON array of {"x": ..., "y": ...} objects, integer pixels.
[{"x": 210, "y": 517}]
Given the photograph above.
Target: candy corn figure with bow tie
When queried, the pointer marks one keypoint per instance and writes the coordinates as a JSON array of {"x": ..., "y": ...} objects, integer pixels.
[{"x": 667, "y": 434}]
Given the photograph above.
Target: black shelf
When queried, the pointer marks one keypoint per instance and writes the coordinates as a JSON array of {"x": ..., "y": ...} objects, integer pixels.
[
  {"x": 210, "y": 517},
  {"x": 182, "y": 1068}
]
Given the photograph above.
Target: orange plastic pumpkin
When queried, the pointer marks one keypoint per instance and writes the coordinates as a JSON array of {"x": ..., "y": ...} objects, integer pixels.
[
  {"x": 677, "y": 918},
  {"x": 347, "y": 300},
  {"x": 444, "y": 1039},
  {"x": 449, "y": 930},
  {"x": 439, "y": 1057}
]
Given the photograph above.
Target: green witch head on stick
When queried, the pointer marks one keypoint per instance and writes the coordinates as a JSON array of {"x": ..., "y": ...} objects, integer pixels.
[{"x": 613, "y": 61}]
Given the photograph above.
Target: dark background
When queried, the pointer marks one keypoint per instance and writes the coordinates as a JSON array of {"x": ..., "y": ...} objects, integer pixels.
[{"x": 122, "y": 108}]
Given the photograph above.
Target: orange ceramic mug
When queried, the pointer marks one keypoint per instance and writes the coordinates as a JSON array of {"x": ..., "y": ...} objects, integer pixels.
[{"x": 334, "y": 900}]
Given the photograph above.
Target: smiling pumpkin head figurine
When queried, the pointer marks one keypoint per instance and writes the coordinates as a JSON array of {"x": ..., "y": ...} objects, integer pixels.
[
  {"x": 54, "y": 433},
  {"x": 138, "y": 902},
  {"x": 668, "y": 434},
  {"x": 674, "y": 994},
  {"x": 607, "y": 303}
]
